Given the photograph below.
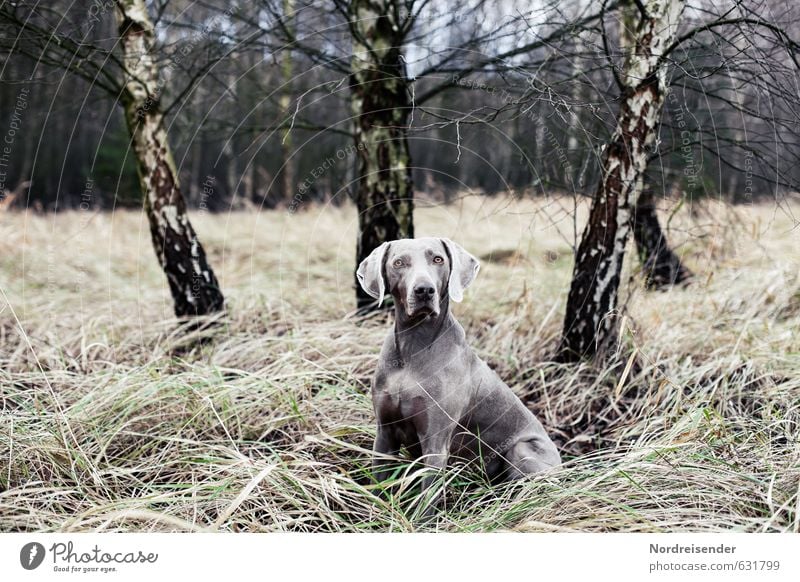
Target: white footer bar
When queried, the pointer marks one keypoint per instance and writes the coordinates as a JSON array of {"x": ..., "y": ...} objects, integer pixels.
[{"x": 401, "y": 557}]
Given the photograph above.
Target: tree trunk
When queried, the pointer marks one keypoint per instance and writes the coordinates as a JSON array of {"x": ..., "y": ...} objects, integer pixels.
[
  {"x": 285, "y": 102},
  {"x": 590, "y": 323},
  {"x": 194, "y": 287},
  {"x": 662, "y": 268},
  {"x": 380, "y": 101}
]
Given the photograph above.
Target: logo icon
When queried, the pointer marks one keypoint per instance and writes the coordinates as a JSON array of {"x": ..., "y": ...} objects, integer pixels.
[{"x": 31, "y": 555}]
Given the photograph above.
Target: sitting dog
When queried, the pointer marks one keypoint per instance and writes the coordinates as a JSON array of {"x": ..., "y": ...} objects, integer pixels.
[{"x": 431, "y": 393}]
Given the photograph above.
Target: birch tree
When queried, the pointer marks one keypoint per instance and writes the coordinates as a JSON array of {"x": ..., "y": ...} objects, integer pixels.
[
  {"x": 194, "y": 287},
  {"x": 380, "y": 107},
  {"x": 362, "y": 43},
  {"x": 288, "y": 164},
  {"x": 131, "y": 78},
  {"x": 589, "y": 324}
]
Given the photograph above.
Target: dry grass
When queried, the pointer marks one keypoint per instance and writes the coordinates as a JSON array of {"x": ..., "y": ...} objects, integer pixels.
[{"x": 111, "y": 421}]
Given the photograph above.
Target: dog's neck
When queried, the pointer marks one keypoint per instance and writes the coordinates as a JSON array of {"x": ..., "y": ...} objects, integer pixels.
[{"x": 413, "y": 337}]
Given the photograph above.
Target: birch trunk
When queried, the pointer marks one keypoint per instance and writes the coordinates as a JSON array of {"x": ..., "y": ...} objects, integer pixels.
[
  {"x": 380, "y": 105},
  {"x": 590, "y": 322},
  {"x": 285, "y": 103},
  {"x": 662, "y": 267},
  {"x": 194, "y": 287}
]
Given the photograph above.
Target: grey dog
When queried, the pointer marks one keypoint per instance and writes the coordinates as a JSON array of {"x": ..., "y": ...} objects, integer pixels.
[{"x": 431, "y": 392}]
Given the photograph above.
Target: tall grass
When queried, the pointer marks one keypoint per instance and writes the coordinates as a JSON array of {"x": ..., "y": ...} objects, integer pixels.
[{"x": 111, "y": 419}]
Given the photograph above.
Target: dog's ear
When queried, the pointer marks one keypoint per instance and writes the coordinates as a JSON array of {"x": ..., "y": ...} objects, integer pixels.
[
  {"x": 370, "y": 273},
  {"x": 463, "y": 269}
]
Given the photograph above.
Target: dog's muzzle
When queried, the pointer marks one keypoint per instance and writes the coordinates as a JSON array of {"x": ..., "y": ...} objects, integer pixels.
[{"x": 422, "y": 300}]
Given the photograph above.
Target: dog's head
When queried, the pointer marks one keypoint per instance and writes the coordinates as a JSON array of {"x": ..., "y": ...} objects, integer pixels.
[{"x": 418, "y": 273}]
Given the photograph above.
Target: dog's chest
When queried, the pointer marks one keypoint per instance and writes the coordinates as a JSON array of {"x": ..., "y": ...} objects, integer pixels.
[{"x": 416, "y": 393}]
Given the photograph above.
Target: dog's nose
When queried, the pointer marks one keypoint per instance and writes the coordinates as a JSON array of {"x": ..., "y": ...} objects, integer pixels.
[{"x": 424, "y": 291}]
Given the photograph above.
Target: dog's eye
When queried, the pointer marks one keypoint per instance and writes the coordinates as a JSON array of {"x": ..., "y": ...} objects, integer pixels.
[
  {"x": 397, "y": 263},
  {"x": 438, "y": 260}
]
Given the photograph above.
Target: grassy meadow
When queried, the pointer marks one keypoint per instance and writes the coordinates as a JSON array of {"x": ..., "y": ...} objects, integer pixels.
[{"x": 111, "y": 419}]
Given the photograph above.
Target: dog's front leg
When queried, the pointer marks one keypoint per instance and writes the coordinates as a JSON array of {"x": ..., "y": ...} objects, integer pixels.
[
  {"x": 386, "y": 445},
  {"x": 435, "y": 453}
]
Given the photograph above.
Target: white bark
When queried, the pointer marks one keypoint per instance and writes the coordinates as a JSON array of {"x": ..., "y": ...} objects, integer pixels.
[
  {"x": 192, "y": 282},
  {"x": 589, "y": 322}
]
